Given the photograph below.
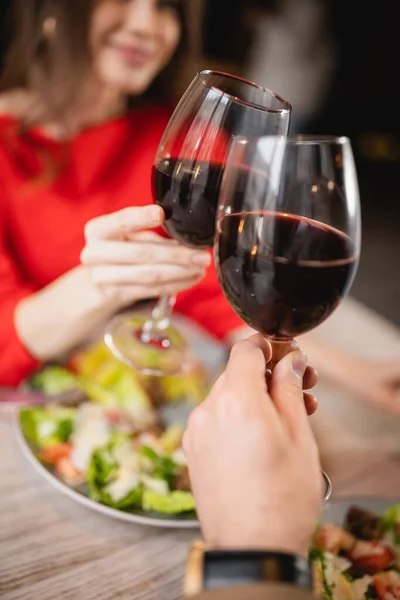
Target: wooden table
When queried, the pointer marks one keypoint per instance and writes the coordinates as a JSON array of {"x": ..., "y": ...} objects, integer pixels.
[{"x": 52, "y": 549}]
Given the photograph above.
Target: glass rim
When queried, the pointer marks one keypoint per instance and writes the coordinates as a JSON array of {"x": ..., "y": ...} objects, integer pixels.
[
  {"x": 286, "y": 106},
  {"x": 339, "y": 140}
]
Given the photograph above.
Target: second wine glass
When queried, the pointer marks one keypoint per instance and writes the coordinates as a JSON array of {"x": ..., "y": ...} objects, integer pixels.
[
  {"x": 187, "y": 177},
  {"x": 288, "y": 233}
]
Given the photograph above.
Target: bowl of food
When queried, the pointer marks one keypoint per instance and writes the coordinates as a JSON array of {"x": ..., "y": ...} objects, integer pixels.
[
  {"x": 356, "y": 550},
  {"x": 110, "y": 437}
]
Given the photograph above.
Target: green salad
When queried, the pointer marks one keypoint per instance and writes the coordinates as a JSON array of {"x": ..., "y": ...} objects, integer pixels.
[
  {"x": 361, "y": 559},
  {"x": 99, "y": 449},
  {"x": 112, "y": 446}
]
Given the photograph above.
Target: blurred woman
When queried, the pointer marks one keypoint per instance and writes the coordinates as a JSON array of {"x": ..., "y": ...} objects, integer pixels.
[{"x": 86, "y": 97}]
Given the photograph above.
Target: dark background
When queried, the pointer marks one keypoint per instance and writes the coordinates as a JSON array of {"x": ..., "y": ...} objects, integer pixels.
[{"x": 362, "y": 103}]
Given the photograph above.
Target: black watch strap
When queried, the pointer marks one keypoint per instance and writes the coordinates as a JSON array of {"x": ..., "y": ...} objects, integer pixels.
[
  {"x": 231, "y": 568},
  {"x": 211, "y": 570}
]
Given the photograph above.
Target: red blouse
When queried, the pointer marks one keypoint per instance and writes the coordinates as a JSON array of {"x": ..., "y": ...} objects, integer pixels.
[{"x": 102, "y": 170}]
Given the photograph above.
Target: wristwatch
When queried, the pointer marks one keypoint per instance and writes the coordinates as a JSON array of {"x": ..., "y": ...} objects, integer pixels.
[{"x": 210, "y": 569}]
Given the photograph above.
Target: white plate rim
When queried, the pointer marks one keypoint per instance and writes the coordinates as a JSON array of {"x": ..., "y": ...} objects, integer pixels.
[{"x": 87, "y": 502}]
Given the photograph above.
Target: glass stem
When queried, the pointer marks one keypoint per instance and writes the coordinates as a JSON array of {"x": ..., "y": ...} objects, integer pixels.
[
  {"x": 280, "y": 348},
  {"x": 161, "y": 314}
]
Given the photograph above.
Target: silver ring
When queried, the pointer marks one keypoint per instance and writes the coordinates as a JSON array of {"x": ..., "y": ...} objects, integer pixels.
[{"x": 328, "y": 487}]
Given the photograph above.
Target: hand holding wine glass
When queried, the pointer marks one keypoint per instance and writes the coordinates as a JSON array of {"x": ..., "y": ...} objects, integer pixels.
[
  {"x": 288, "y": 233},
  {"x": 243, "y": 423},
  {"x": 128, "y": 262},
  {"x": 187, "y": 176}
]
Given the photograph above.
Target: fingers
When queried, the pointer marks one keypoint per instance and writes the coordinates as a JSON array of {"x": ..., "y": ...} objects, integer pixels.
[
  {"x": 156, "y": 250},
  {"x": 251, "y": 346},
  {"x": 310, "y": 403},
  {"x": 248, "y": 358},
  {"x": 127, "y": 294},
  {"x": 244, "y": 378},
  {"x": 286, "y": 390},
  {"x": 117, "y": 225},
  {"x": 310, "y": 378},
  {"x": 147, "y": 275}
]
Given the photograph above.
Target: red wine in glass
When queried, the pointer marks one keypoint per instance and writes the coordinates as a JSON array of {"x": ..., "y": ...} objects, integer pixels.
[
  {"x": 189, "y": 196},
  {"x": 283, "y": 274}
]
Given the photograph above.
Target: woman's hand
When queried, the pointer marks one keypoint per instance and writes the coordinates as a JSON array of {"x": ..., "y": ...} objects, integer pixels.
[
  {"x": 371, "y": 381},
  {"x": 123, "y": 262},
  {"x": 129, "y": 263},
  {"x": 253, "y": 461},
  {"x": 374, "y": 382}
]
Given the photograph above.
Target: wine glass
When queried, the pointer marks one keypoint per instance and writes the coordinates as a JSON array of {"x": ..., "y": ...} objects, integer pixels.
[
  {"x": 288, "y": 234},
  {"x": 187, "y": 175}
]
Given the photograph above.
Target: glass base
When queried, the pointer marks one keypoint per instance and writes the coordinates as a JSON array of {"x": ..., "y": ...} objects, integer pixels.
[{"x": 153, "y": 348}]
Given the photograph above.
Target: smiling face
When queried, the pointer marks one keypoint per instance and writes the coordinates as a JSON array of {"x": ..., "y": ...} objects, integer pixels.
[{"x": 133, "y": 40}]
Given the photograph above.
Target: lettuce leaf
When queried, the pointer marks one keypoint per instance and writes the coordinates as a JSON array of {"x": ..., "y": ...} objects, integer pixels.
[
  {"x": 102, "y": 469},
  {"x": 174, "y": 503},
  {"x": 117, "y": 388},
  {"x": 48, "y": 426},
  {"x": 103, "y": 472},
  {"x": 390, "y": 518},
  {"x": 163, "y": 467},
  {"x": 390, "y": 523},
  {"x": 54, "y": 380},
  {"x": 318, "y": 557}
]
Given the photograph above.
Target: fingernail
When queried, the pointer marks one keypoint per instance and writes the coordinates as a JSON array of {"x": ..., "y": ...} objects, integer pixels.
[
  {"x": 201, "y": 259},
  {"x": 154, "y": 215},
  {"x": 299, "y": 364}
]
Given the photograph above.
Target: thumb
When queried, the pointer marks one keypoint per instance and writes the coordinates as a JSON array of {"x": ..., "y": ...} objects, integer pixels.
[{"x": 286, "y": 390}]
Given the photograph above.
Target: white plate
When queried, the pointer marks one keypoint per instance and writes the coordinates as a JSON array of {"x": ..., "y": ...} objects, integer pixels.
[
  {"x": 213, "y": 356},
  {"x": 138, "y": 517}
]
